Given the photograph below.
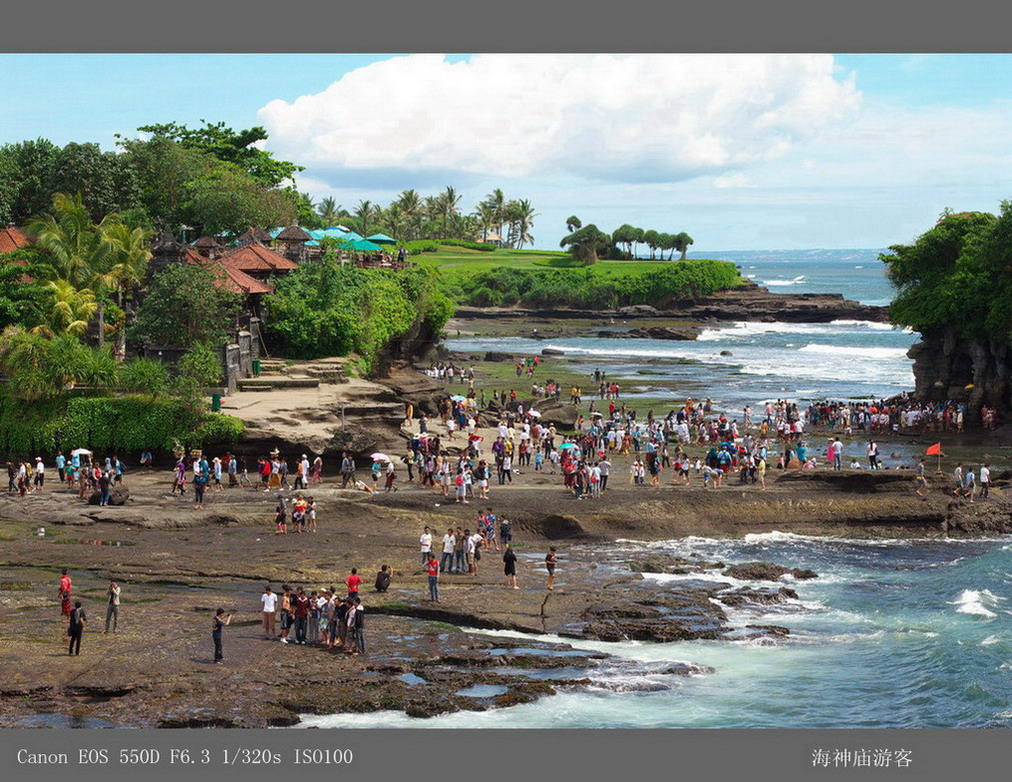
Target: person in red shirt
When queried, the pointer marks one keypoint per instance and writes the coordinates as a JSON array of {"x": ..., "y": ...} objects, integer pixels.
[
  {"x": 66, "y": 585},
  {"x": 353, "y": 582},
  {"x": 300, "y": 607},
  {"x": 432, "y": 568}
]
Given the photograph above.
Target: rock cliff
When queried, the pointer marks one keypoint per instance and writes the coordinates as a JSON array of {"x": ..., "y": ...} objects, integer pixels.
[{"x": 947, "y": 366}]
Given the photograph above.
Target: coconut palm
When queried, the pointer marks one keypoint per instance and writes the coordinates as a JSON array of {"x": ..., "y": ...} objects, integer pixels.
[
  {"x": 330, "y": 211},
  {"x": 127, "y": 267},
  {"x": 71, "y": 310},
  {"x": 79, "y": 250},
  {"x": 410, "y": 204},
  {"x": 363, "y": 213},
  {"x": 496, "y": 202}
]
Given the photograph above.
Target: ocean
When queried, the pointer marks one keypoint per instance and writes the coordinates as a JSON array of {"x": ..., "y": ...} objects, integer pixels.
[
  {"x": 893, "y": 633},
  {"x": 845, "y": 359}
]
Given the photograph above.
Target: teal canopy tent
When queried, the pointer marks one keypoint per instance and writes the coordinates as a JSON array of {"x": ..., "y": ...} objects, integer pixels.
[{"x": 382, "y": 239}]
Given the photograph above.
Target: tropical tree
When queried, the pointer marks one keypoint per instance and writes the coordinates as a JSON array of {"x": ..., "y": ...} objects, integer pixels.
[
  {"x": 521, "y": 216},
  {"x": 330, "y": 211},
  {"x": 411, "y": 206},
  {"x": 71, "y": 310},
  {"x": 445, "y": 206},
  {"x": 496, "y": 203},
  {"x": 364, "y": 213},
  {"x": 185, "y": 305},
  {"x": 79, "y": 251},
  {"x": 682, "y": 241},
  {"x": 652, "y": 240},
  {"x": 586, "y": 243},
  {"x": 144, "y": 376},
  {"x": 127, "y": 267},
  {"x": 625, "y": 234},
  {"x": 573, "y": 223}
]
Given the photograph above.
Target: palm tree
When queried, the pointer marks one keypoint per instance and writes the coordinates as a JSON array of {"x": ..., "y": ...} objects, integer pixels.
[
  {"x": 364, "y": 212},
  {"x": 130, "y": 253},
  {"x": 79, "y": 249},
  {"x": 330, "y": 211},
  {"x": 496, "y": 202},
  {"x": 522, "y": 217},
  {"x": 71, "y": 312},
  {"x": 486, "y": 219},
  {"x": 449, "y": 206},
  {"x": 410, "y": 204}
]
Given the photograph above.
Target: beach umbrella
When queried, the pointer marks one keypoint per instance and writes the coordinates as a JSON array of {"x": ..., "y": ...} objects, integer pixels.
[
  {"x": 380, "y": 457},
  {"x": 567, "y": 446},
  {"x": 458, "y": 398},
  {"x": 382, "y": 239},
  {"x": 80, "y": 452},
  {"x": 534, "y": 413},
  {"x": 362, "y": 245}
]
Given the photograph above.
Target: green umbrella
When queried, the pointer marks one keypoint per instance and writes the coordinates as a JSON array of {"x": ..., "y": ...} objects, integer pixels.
[
  {"x": 363, "y": 245},
  {"x": 382, "y": 239}
]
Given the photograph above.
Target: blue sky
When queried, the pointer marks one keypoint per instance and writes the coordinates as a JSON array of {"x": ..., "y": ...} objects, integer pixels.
[{"x": 756, "y": 152}]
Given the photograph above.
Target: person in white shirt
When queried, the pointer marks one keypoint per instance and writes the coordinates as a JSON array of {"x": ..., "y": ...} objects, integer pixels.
[
  {"x": 269, "y": 602},
  {"x": 449, "y": 542},
  {"x": 471, "y": 552},
  {"x": 425, "y": 541},
  {"x": 985, "y": 481}
]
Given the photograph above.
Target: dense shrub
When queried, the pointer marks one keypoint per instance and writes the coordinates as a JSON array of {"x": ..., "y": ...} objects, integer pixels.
[
  {"x": 480, "y": 246},
  {"x": 326, "y": 309},
  {"x": 595, "y": 287},
  {"x": 107, "y": 424},
  {"x": 421, "y": 246}
]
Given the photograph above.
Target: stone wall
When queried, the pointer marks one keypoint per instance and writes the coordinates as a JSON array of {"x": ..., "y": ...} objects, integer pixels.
[{"x": 236, "y": 358}]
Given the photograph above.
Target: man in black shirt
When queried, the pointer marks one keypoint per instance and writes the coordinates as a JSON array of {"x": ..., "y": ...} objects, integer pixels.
[
  {"x": 383, "y": 579},
  {"x": 76, "y": 628}
]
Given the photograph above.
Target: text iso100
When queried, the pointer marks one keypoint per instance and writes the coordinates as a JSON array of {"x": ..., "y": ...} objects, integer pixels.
[{"x": 323, "y": 757}]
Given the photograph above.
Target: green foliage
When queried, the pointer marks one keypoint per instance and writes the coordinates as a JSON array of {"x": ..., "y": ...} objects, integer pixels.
[
  {"x": 229, "y": 146},
  {"x": 325, "y": 309},
  {"x": 22, "y": 303},
  {"x": 587, "y": 243},
  {"x": 108, "y": 425},
  {"x": 956, "y": 275},
  {"x": 202, "y": 365},
  {"x": 595, "y": 287},
  {"x": 144, "y": 376},
  {"x": 184, "y": 306},
  {"x": 480, "y": 246},
  {"x": 225, "y": 199}
]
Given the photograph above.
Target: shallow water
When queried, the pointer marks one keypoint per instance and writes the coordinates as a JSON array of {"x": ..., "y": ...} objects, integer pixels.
[{"x": 894, "y": 634}]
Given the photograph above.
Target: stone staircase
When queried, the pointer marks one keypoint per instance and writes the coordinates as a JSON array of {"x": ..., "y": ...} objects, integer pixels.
[{"x": 276, "y": 374}]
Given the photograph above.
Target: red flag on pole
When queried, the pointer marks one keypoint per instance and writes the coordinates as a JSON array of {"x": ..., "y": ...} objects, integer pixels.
[{"x": 934, "y": 450}]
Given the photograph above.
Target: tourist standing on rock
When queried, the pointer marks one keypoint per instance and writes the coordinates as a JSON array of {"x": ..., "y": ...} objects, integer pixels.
[
  {"x": 76, "y": 628},
  {"x": 425, "y": 542},
  {"x": 957, "y": 479},
  {"x": 985, "y": 481},
  {"x": 356, "y": 625},
  {"x": 920, "y": 481},
  {"x": 432, "y": 568},
  {"x": 391, "y": 475},
  {"x": 347, "y": 470},
  {"x": 179, "y": 481},
  {"x": 459, "y": 551},
  {"x": 286, "y": 612},
  {"x": 317, "y": 471},
  {"x": 873, "y": 455},
  {"x": 550, "y": 561},
  {"x": 449, "y": 541},
  {"x": 269, "y": 605},
  {"x": 353, "y": 582},
  {"x": 40, "y": 474},
  {"x": 220, "y": 620},
  {"x": 103, "y": 487},
  {"x": 300, "y": 608},
  {"x": 509, "y": 559},
  {"x": 112, "y": 607},
  {"x": 66, "y": 586},
  {"x": 61, "y": 466}
]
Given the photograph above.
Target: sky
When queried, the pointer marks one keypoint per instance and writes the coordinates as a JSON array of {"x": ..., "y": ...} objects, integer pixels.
[{"x": 745, "y": 152}]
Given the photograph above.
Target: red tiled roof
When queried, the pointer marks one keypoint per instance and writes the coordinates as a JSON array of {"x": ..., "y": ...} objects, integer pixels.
[
  {"x": 12, "y": 238},
  {"x": 229, "y": 278},
  {"x": 254, "y": 234},
  {"x": 257, "y": 258}
]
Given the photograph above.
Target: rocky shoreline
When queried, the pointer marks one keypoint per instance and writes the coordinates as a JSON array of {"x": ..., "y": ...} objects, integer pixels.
[{"x": 177, "y": 565}]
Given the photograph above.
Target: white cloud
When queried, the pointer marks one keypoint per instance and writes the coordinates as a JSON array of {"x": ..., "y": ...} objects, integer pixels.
[
  {"x": 632, "y": 118},
  {"x": 732, "y": 181}
]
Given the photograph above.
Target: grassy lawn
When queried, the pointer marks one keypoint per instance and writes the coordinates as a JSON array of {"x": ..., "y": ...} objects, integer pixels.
[{"x": 454, "y": 261}]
